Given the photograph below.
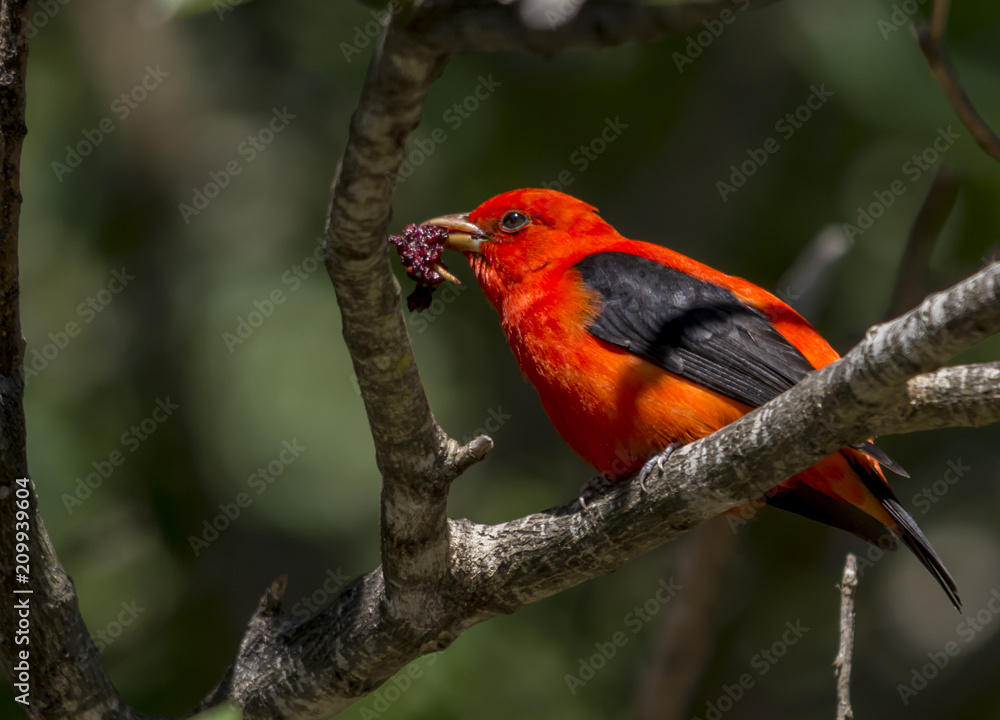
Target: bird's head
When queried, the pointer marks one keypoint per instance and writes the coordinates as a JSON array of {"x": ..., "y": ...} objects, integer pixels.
[{"x": 513, "y": 235}]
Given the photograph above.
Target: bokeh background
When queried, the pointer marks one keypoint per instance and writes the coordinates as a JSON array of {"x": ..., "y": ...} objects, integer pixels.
[{"x": 227, "y": 316}]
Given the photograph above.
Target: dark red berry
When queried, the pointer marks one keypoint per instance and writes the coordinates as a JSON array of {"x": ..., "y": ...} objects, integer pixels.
[
  {"x": 420, "y": 299},
  {"x": 420, "y": 248}
]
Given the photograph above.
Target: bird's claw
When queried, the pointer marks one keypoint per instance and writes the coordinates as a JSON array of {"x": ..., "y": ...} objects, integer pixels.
[
  {"x": 602, "y": 482},
  {"x": 596, "y": 486},
  {"x": 655, "y": 463}
]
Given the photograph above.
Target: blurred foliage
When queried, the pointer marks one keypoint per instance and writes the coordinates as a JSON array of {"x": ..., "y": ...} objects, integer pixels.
[{"x": 229, "y": 320}]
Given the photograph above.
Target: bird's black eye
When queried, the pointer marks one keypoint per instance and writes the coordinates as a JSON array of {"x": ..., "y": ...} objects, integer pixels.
[{"x": 513, "y": 221}]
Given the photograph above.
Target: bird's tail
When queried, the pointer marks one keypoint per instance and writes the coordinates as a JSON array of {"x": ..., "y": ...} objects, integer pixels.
[
  {"x": 870, "y": 511},
  {"x": 911, "y": 535}
]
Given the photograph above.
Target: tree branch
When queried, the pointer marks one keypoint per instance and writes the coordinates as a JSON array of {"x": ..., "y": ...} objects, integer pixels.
[
  {"x": 417, "y": 460},
  {"x": 958, "y": 396},
  {"x": 933, "y": 214},
  {"x": 842, "y": 664},
  {"x": 931, "y": 38}
]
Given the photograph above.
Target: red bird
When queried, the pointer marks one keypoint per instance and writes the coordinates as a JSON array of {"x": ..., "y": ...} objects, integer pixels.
[{"x": 633, "y": 347}]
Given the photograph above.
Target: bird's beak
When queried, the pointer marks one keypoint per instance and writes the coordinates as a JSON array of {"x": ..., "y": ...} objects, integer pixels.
[{"x": 463, "y": 235}]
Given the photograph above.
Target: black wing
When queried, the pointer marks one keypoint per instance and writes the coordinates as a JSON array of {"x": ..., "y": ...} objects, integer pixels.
[
  {"x": 697, "y": 330},
  {"x": 691, "y": 328}
]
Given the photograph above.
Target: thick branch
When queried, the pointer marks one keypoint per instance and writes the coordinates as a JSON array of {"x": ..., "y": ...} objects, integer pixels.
[
  {"x": 417, "y": 460},
  {"x": 13, "y": 455},
  {"x": 13, "y": 64},
  {"x": 959, "y": 396}
]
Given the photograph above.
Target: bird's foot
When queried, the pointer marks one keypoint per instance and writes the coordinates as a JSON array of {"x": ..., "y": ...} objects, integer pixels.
[
  {"x": 595, "y": 487},
  {"x": 655, "y": 463}
]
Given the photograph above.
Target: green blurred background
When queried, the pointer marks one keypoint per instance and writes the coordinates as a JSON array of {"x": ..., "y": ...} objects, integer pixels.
[{"x": 215, "y": 76}]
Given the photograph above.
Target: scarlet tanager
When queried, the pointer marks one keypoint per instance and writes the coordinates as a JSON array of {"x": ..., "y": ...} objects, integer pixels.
[{"x": 634, "y": 348}]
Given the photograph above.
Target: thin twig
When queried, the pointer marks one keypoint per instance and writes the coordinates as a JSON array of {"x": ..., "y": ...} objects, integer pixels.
[
  {"x": 843, "y": 662},
  {"x": 934, "y": 213},
  {"x": 931, "y": 39},
  {"x": 939, "y": 19}
]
